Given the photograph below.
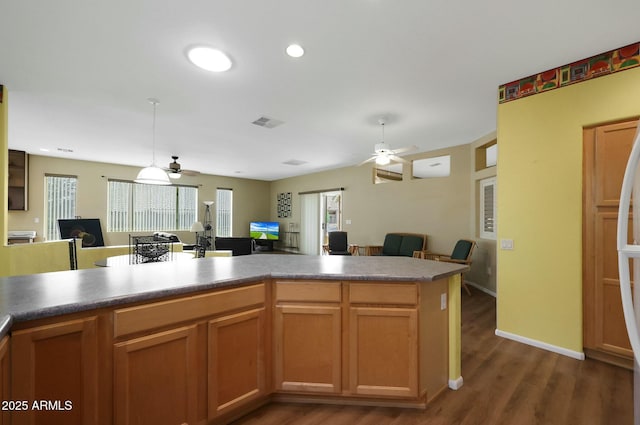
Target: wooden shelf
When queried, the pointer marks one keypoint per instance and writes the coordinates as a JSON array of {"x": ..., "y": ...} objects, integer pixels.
[{"x": 18, "y": 180}]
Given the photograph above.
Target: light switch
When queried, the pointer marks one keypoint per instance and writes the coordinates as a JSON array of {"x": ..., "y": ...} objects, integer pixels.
[
  {"x": 347, "y": 221},
  {"x": 443, "y": 301},
  {"x": 506, "y": 244}
]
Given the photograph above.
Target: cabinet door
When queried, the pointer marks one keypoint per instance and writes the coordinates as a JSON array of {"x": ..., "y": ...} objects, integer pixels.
[
  {"x": 307, "y": 348},
  {"x": 383, "y": 351},
  {"x": 4, "y": 379},
  {"x": 58, "y": 366},
  {"x": 156, "y": 378},
  {"x": 236, "y": 370}
]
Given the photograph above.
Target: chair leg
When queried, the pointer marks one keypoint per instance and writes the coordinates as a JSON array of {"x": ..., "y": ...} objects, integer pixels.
[{"x": 466, "y": 288}]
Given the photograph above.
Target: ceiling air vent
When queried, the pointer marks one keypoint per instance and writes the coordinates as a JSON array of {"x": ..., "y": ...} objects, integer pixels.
[
  {"x": 267, "y": 122},
  {"x": 294, "y": 162}
]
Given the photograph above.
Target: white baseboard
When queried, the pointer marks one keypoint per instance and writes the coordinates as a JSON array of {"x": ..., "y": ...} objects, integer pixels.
[
  {"x": 481, "y": 288},
  {"x": 455, "y": 384},
  {"x": 539, "y": 344}
]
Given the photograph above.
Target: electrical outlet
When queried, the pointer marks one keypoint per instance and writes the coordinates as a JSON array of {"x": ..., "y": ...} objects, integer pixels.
[
  {"x": 443, "y": 301},
  {"x": 348, "y": 221},
  {"x": 488, "y": 270},
  {"x": 36, "y": 220}
]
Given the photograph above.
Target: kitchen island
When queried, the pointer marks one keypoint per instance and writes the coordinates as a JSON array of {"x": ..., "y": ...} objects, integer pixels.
[{"x": 204, "y": 341}]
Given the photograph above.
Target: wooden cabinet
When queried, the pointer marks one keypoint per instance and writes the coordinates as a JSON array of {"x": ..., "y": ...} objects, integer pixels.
[
  {"x": 155, "y": 378},
  {"x": 190, "y": 360},
  {"x": 361, "y": 339},
  {"x": 236, "y": 361},
  {"x": 58, "y": 365},
  {"x": 18, "y": 180},
  {"x": 383, "y": 351},
  {"x": 308, "y": 337},
  {"x": 383, "y": 339},
  {"x": 5, "y": 372}
]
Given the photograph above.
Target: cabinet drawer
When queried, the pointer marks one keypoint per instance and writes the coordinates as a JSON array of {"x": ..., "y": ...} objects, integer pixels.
[
  {"x": 150, "y": 316},
  {"x": 312, "y": 291},
  {"x": 383, "y": 293}
]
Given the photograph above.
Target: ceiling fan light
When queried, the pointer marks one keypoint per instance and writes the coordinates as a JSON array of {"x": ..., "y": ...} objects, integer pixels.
[
  {"x": 174, "y": 175},
  {"x": 209, "y": 59},
  {"x": 383, "y": 160},
  {"x": 153, "y": 175}
]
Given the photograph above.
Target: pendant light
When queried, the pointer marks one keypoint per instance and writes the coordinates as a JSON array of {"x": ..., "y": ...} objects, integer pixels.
[{"x": 153, "y": 174}]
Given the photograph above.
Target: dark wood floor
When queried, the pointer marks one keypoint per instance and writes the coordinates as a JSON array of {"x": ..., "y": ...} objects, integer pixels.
[{"x": 505, "y": 382}]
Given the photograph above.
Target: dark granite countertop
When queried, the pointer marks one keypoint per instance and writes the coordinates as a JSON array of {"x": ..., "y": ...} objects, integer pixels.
[{"x": 52, "y": 294}]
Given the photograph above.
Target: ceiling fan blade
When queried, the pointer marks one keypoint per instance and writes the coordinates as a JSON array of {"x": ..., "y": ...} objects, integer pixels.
[
  {"x": 396, "y": 158},
  {"x": 373, "y": 158},
  {"x": 405, "y": 149},
  {"x": 190, "y": 172}
]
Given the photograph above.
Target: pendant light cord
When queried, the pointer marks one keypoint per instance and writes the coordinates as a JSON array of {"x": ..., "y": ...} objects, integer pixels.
[{"x": 154, "y": 102}]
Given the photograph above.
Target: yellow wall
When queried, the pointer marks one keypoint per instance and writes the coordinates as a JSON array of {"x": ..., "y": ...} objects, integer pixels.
[{"x": 540, "y": 203}]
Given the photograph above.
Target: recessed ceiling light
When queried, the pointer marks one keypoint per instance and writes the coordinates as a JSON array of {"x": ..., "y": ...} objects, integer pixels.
[
  {"x": 295, "y": 50},
  {"x": 44, "y": 150},
  {"x": 209, "y": 58}
]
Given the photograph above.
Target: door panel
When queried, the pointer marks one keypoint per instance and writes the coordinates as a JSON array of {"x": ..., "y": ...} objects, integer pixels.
[{"x": 606, "y": 150}]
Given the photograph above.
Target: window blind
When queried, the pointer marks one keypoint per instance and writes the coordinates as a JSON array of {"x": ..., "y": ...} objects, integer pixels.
[
  {"x": 141, "y": 207},
  {"x": 60, "y": 202},
  {"x": 488, "y": 208},
  {"x": 224, "y": 212}
]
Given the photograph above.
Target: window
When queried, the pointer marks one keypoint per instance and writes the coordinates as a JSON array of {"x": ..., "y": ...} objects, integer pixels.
[
  {"x": 487, "y": 155},
  {"x": 137, "y": 207},
  {"x": 60, "y": 202},
  {"x": 488, "y": 208},
  {"x": 439, "y": 166},
  {"x": 224, "y": 212}
]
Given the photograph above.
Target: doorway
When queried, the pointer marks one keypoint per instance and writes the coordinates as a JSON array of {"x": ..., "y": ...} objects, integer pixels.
[
  {"x": 321, "y": 213},
  {"x": 606, "y": 149},
  {"x": 330, "y": 213}
]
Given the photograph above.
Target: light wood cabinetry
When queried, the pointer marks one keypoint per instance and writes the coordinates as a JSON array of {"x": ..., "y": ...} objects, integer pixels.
[
  {"x": 361, "y": 339},
  {"x": 383, "y": 351},
  {"x": 383, "y": 339},
  {"x": 191, "y": 359},
  {"x": 606, "y": 150},
  {"x": 155, "y": 378},
  {"x": 5, "y": 372},
  {"x": 236, "y": 361},
  {"x": 56, "y": 363},
  {"x": 17, "y": 182},
  {"x": 308, "y": 339}
]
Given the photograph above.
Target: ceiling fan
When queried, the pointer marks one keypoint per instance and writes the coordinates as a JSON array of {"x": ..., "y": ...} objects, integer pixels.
[
  {"x": 175, "y": 170},
  {"x": 383, "y": 154}
]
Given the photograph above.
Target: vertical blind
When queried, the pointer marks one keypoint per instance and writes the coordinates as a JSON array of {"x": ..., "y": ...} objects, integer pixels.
[
  {"x": 141, "y": 207},
  {"x": 224, "y": 212},
  {"x": 60, "y": 202}
]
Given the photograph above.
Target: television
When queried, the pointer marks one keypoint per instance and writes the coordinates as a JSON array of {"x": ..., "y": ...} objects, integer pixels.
[
  {"x": 87, "y": 229},
  {"x": 264, "y": 230}
]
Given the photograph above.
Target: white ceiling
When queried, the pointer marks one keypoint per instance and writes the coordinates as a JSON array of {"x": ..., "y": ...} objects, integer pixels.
[{"x": 79, "y": 72}]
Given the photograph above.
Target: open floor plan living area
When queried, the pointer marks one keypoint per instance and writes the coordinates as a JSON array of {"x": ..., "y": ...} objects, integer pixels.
[{"x": 354, "y": 211}]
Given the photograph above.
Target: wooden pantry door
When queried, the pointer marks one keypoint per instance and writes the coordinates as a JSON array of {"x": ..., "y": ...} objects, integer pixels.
[{"x": 606, "y": 151}]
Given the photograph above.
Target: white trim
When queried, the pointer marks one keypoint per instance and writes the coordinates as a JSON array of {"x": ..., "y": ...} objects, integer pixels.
[
  {"x": 481, "y": 288},
  {"x": 539, "y": 344},
  {"x": 456, "y": 384}
]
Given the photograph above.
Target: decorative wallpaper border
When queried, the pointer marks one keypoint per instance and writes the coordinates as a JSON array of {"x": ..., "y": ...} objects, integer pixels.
[{"x": 596, "y": 66}]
